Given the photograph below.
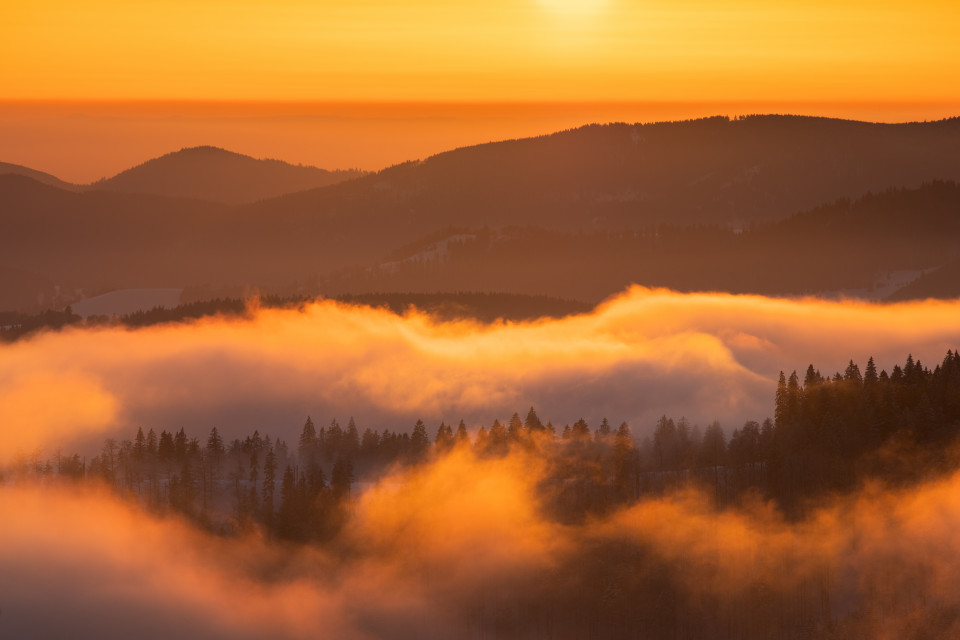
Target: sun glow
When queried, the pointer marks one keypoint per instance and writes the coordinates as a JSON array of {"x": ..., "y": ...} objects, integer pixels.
[
  {"x": 573, "y": 7},
  {"x": 491, "y": 50}
]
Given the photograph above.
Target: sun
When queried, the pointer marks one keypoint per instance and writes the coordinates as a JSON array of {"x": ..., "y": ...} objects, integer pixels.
[{"x": 573, "y": 6}]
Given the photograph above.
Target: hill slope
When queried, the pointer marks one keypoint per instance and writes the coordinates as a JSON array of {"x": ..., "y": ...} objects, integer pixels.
[
  {"x": 39, "y": 176},
  {"x": 210, "y": 173},
  {"x": 847, "y": 246},
  {"x": 96, "y": 239},
  {"x": 577, "y": 214},
  {"x": 617, "y": 176}
]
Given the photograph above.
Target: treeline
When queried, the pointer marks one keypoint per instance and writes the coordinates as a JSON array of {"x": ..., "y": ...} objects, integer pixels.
[
  {"x": 828, "y": 434},
  {"x": 483, "y": 307},
  {"x": 16, "y": 325},
  {"x": 832, "y": 432},
  {"x": 299, "y": 493}
]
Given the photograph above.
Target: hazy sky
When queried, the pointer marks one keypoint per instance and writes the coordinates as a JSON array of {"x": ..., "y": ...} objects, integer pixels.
[
  {"x": 88, "y": 140},
  {"x": 283, "y": 78},
  {"x": 481, "y": 50}
]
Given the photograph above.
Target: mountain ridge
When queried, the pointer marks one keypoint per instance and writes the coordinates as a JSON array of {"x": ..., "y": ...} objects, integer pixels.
[
  {"x": 601, "y": 183},
  {"x": 211, "y": 173},
  {"x": 7, "y": 168},
  {"x": 203, "y": 172}
]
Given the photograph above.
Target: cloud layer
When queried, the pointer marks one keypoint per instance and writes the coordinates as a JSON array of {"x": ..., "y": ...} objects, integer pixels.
[{"x": 640, "y": 355}]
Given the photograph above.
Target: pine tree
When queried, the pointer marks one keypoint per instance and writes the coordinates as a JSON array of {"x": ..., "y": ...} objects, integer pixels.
[
  {"x": 419, "y": 440},
  {"x": 665, "y": 443},
  {"x": 215, "y": 443},
  {"x": 444, "y": 440},
  {"x": 852, "y": 373},
  {"x": 139, "y": 444},
  {"x": 482, "y": 442},
  {"x": 151, "y": 443},
  {"x": 532, "y": 423},
  {"x": 498, "y": 441},
  {"x": 870, "y": 375},
  {"x": 180, "y": 444},
  {"x": 166, "y": 450},
  {"x": 603, "y": 431},
  {"x": 581, "y": 430},
  {"x": 334, "y": 440},
  {"x": 793, "y": 396},
  {"x": 369, "y": 443},
  {"x": 780, "y": 410},
  {"x": 811, "y": 379},
  {"x": 307, "y": 446},
  {"x": 462, "y": 437},
  {"x": 351, "y": 439},
  {"x": 515, "y": 428}
]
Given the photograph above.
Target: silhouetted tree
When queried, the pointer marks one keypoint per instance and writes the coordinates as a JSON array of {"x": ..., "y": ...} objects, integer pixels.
[
  {"x": 419, "y": 441},
  {"x": 444, "y": 440},
  {"x": 307, "y": 445}
]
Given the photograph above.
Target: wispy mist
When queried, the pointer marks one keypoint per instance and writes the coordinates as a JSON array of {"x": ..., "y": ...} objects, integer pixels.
[
  {"x": 640, "y": 355},
  {"x": 460, "y": 547}
]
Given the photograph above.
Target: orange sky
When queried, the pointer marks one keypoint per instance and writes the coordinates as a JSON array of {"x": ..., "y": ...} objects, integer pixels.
[
  {"x": 284, "y": 78},
  {"x": 85, "y": 141},
  {"x": 553, "y": 50}
]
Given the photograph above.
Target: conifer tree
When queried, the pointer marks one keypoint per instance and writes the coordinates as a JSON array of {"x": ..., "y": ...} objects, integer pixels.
[
  {"x": 532, "y": 422},
  {"x": 215, "y": 443},
  {"x": 307, "y": 446},
  {"x": 351, "y": 439},
  {"x": 515, "y": 428},
  {"x": 139, "y": 444},
  {"x": 151, "y": 443},
  {"x": 780, "y": 410},
  {"x": 462, "y": 437},
  {"x": 444, "y": 439},
  {"x": 419, "y": 440}
]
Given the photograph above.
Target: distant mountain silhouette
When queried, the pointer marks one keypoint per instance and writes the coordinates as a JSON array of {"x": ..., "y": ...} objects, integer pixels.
[
  {"x": 706, "y": 204},
  {"x": 845, "y": 247},
  {"x": 39, "y": 176},
  {"x": 211, "y": 173},
  {"x": 608, "y": 178},
  {"x": 616, "y": 176}
]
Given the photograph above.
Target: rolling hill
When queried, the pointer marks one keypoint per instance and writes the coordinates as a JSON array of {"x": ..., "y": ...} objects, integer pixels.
[
  {"x": 849, "y": 247},
  {"x": 576, "y": 214},
  {"x": 616, "y": 176},
  {"x": 39, "y": 176},
  {"x": 210, "y": 173}
]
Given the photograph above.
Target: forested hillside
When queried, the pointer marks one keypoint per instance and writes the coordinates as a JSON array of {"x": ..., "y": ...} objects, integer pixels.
[
  {"x": 830, "y": 436},
  {"x": 577, "y": 214},
  {"x": 847, "y": 245}
]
